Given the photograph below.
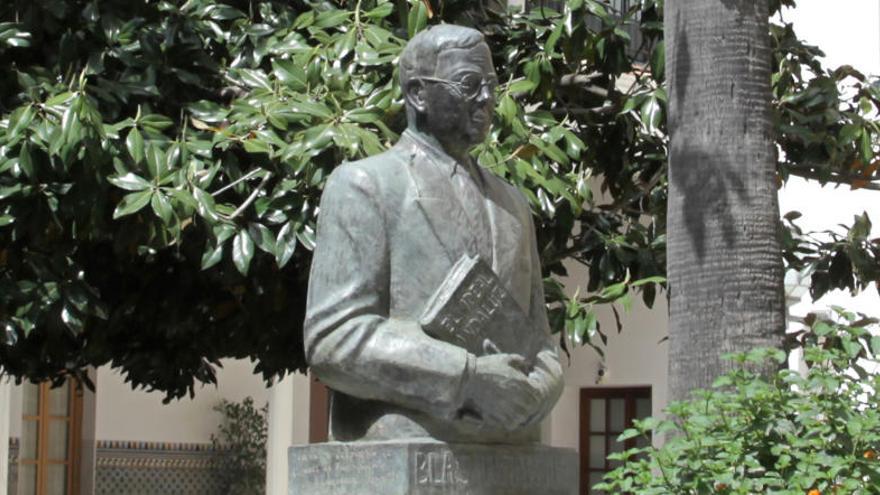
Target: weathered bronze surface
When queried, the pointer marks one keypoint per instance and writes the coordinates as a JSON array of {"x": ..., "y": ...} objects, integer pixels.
[{"x": 391, "y": 228}]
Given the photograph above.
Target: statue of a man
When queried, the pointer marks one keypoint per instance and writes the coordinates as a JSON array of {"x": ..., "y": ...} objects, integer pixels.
[{"x": 390, "y": 229}]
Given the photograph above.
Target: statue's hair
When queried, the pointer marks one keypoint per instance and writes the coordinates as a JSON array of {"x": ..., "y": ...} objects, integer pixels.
[{"x": 420, "y": 55}]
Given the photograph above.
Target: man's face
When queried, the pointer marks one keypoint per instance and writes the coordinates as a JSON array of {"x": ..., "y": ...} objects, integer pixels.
[{"x": 461, "y": 112}]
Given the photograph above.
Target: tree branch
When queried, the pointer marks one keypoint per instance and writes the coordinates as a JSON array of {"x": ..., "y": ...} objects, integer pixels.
[
  {"x": 837, "y": 178},
  {"x": 253, "y": 197}
]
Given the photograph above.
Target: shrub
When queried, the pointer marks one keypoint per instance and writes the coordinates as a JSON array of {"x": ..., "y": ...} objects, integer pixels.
[
  {"x": 242, "y": 437},
  {"x": 816, "y": 432}
]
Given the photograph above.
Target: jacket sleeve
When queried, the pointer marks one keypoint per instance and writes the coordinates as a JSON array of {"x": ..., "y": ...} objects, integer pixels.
[
  {"x": 547, "y": 375},
  {"x": 351, "y": 343}
]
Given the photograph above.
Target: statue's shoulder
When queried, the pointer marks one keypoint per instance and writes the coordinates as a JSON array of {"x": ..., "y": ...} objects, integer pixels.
[
  {"x": 516, "y": 197},
  {"x": 377, "y": 172}
]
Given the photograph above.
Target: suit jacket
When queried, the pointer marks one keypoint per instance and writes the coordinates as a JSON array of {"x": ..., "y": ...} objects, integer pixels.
[{"x": 390, "y": 228}]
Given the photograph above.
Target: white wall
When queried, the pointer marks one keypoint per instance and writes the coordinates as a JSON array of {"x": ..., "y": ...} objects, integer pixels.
[
  {"x": 635, "y": 357},
  {"x": 123, "y": 414}
]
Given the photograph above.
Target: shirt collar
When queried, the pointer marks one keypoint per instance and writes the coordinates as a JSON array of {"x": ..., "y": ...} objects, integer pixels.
[{"x": 432, "y": 147}]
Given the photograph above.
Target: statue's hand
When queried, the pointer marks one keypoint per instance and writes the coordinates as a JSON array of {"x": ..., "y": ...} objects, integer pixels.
[{"x": 500, "y": 393}]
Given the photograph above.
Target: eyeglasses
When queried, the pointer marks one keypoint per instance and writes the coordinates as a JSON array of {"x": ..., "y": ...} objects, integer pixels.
[{"x": 469, "y": 87}]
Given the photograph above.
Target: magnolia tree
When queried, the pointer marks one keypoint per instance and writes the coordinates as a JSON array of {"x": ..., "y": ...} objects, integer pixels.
[{"x": 161, "y": 164}]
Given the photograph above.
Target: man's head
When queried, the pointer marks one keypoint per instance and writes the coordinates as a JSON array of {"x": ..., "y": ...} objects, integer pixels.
[{"x": 448, "y": 81}]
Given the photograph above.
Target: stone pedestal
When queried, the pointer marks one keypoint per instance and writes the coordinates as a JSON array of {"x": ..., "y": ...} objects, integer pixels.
[{"x": 431, "y": 468}]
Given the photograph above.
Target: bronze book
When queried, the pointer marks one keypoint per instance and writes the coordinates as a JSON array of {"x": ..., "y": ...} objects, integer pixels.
[{"x": 473, "y": 310}]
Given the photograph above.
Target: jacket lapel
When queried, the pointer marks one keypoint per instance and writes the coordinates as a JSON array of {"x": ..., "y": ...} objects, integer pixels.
[
  {"x": 506, "y": 231},
  {"x": 434, "y": 197}
]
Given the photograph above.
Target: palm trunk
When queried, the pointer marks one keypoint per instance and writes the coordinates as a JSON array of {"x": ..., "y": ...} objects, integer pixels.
[{"x": 724, "y": 257}]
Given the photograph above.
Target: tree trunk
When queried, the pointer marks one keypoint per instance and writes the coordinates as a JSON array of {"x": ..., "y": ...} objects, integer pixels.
[{"x": 724, "y": 256}]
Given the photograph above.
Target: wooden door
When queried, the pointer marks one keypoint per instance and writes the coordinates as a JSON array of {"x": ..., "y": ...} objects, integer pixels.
[{"x": 50, "y": 438}]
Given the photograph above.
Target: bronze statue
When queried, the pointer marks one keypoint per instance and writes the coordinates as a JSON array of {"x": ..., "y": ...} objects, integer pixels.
[{"x": 392, "y": 229}]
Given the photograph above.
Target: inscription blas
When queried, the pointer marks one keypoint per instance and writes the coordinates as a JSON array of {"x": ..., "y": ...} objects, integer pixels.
[
  {"x": 444, "y": 468},
  {"x": 438, "y": 468}
]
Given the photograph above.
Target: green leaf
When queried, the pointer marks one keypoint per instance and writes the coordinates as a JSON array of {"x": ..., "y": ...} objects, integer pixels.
[
  {"x": 71, "y": 319},
  {"x": 860, "y": 229},
  {"x": 553, "y": 152},
  {"x": 652, "y": 114},
  {"x": 162, "y": 207},
  {"x": 522, "y": 86},
  {"x": 221, "y": 12},
  {"x": 306, "y": 237},
  {"x": 207, "y": 208},
  {"x": 285, "y": 245},
  {"x": 264, "y": 237},
  {"x": 658, "y": 61},
  {"x": 156, "y": 122},
  {"x": 242, "y": 251},
  {"x": 24, "y": 119},
  {"x": 132, "y": 203},
  {"x": 550, "y": 46},
  {"x": 417, "y": 19},
  {"x": 25, "y": 161},
  {"x": 849, "y": 133},
  {"x": 532, "y": 70},
  {"x": 649, "y": 280},
  {"x": 257, "y": 145},
  {"x": 130, "y": 182},
  {"x": 134, "y": 143},
  {"x": 255, "y": 79},
  {"x": 381, "y": 11},
  {"x": 332, "y": 18},
  {"x": 212, "y": 255},
  {"x": 70, "y": 125},
  {"x": 291, "y": 74},
  {"x": 362, "y": 116},
  {"x": 314, "y": 109},
  {"x": 155, "y": 161},
  {"x": 866, "y": 149}
]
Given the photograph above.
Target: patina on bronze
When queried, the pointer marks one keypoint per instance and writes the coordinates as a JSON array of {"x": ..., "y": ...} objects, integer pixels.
[{"x": 390, "y": 229}]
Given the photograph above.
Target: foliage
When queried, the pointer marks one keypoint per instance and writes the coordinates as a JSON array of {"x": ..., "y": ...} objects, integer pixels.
[
  {"x": 161, "y": 163},
  {"x": 816, "y": 432},
  {"x": 242, "y": 438}
]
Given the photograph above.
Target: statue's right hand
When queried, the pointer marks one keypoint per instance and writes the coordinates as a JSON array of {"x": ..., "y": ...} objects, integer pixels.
[{"x": 500, "y": 393}]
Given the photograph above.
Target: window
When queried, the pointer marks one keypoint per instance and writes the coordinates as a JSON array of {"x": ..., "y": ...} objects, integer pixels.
[
  {"x": 605, "y": 413},
  {"x": 617, "y": 9},
  {"x": 51, "y": 429}
]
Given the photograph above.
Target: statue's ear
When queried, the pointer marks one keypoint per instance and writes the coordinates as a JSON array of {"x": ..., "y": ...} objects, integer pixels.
[{"x": 414, "y": 93}]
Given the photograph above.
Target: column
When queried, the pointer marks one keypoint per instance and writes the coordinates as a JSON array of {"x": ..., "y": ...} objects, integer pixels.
[
  {"x": 5, "y": 399},
  {"x": 280, "y": 432},
  {"x": 288, "y": 425}
]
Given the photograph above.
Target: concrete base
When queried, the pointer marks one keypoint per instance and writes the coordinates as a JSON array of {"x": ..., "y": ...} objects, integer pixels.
[{"x": 425, "y": 467}]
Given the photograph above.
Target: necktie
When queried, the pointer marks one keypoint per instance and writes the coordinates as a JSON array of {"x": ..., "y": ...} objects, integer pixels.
[{"x": 472, "y": 197}]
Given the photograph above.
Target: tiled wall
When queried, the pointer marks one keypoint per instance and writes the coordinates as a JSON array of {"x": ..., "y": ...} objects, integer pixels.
[{"x": 143, "y": 468}]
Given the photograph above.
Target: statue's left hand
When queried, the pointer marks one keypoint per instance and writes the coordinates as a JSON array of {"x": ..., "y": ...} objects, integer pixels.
[{"x": 546, "y": 381}]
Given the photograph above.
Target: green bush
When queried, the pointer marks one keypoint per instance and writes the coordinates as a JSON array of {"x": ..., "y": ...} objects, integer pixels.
[
  {"x": 242, "y": 437},
  {"x": 812, "y": 433}
]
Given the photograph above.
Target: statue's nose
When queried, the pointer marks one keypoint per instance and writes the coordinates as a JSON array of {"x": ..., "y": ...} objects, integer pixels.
[{"x": 486, "y": 94}]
